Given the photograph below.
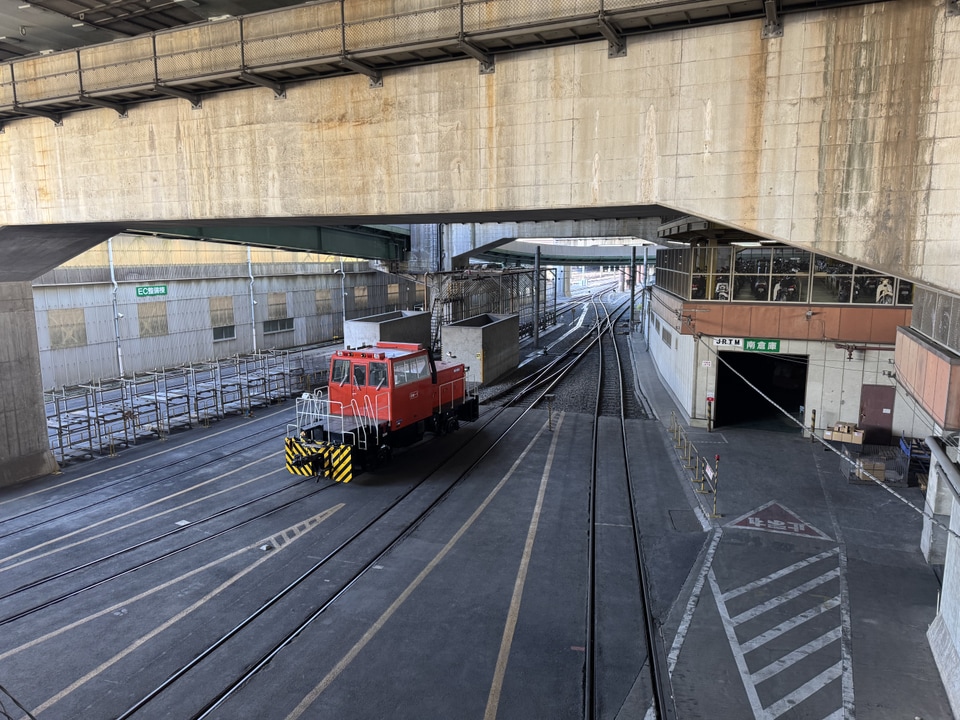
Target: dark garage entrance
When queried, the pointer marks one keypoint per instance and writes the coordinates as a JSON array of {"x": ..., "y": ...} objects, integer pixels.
[{"x": 782, "y": 378}]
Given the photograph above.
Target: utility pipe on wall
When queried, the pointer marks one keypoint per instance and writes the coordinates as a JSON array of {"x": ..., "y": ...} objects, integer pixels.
[
  {"x": 536, "y": 299},
  {"x": 253, "y": 303},
  {"x": 116, "y": 307}
]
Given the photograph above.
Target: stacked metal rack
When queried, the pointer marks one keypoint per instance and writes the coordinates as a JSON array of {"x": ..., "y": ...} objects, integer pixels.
[
  {"x": 170, "y": 399},
  {"x": 86, "y": 419},
  {"x": 98, "y": 418}
]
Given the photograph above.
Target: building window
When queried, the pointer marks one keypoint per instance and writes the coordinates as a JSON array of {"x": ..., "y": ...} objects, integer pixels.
[
  {"x": 221, "y": 318},
  {"x": 224, "y": 332},
  {"x": 275, "y": 326},
  {"x": 278, "y": 318},
  {"x": 153, "y": 318},
  {"x": 68, "y": 328}
]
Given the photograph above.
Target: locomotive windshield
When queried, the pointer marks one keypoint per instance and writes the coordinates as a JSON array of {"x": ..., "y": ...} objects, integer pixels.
[
  {"x": 378, "y": 374},
  {"x": 341, "y": 371}
]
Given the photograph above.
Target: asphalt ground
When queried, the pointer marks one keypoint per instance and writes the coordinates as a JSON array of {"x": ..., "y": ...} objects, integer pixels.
[
  {"x": 478, "y": 611},
  {"x": 810, "y": 597},
  {"x": 806, "y": 598}
]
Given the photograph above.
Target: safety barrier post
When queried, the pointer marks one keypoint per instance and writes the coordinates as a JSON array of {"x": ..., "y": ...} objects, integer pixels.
[
  {"x": 716, "y": 485},
  {"x": 813, "y": 425},
  {"x": 691, "y": 451},
  {"x": 677, "y": 441},
  {"x": 704, "y": 476}
]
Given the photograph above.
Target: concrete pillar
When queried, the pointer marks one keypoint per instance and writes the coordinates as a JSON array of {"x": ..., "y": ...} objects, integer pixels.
[
  {"x": 939, "y": 503},
  {"x": 24, "y": 449},
  {"x": 536, "y": 298},
  {"x": 29, "y": 252}
]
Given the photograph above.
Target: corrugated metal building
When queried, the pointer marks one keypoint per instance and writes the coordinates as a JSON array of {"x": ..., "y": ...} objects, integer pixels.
[{"x": 135, "y": 304}]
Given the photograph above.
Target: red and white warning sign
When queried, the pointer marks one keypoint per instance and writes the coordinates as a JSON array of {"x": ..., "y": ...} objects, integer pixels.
[{"x": 774, "y": 517}]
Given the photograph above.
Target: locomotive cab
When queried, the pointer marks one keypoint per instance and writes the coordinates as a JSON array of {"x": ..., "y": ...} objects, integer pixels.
[{"x": 401, "y": 388}]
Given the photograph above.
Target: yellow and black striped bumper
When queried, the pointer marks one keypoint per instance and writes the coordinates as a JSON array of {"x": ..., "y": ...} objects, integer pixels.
[{"x": 321, "y": 459}]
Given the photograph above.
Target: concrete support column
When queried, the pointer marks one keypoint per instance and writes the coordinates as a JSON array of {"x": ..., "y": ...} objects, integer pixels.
[
  {"x": 939, "y": 503},
  {"x": 536, "y": 298},
  {"x": 563, "y": 279},
  {"x": 24, "y": 449}
]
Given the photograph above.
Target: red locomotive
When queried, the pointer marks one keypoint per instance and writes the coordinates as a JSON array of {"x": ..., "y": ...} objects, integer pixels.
[{"x": 378, "y": 398}]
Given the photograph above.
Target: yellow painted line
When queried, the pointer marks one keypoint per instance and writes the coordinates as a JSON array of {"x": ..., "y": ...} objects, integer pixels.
[
  {"x": 493, "y": 700},
  {"x": 133, "y": 462},
  {"x": 290, "y": 535},
  {"x": 345, "y": 661},
  {"x": 134, "y": 510}
]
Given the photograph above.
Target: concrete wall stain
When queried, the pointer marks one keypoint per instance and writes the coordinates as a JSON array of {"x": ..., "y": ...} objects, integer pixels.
[
  {"x": 558, "y": 130},
  {"x": 874, "y": 169}
]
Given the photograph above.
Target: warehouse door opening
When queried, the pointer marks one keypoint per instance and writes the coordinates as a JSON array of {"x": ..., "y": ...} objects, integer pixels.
[{"x": 782, "y": 378}]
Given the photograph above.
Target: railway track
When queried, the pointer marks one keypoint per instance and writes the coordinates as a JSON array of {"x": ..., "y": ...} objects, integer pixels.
[
  {"x": 537, "y": 388},
  {"x": 613, "y": 403},
  {"x": 230, "y": 659},
  {"x": 613, "y": 391},
  {"x": 187, "y": 464},
  {"x": 349, "y": 552}
]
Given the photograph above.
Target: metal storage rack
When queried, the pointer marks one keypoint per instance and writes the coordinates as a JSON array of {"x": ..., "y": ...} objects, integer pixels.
[
  {"x": 171, "y": 399},
  {"x": 203, "y": 388},
  {"x": 101, "y": 417},
  {"x": 913, "y": 460},
  {"x": 112, "y": 419},
  {"x": 69, "y": 431}
]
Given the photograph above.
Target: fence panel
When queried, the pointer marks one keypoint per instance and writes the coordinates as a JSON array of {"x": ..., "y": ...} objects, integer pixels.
[
  {"x": 403, "y": 29},
  {"x": 6, "y": 86},
  {"x": 117, "y": 65},
  {"x": 481, "y": 15},
  {"x": 48, "y": 77},
  {"x": 312, "y": 31},
  {"x": 198, "y": 50}
]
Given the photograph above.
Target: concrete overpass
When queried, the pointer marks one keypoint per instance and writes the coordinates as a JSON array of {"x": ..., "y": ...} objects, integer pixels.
[{"x": 840, "y": 133}]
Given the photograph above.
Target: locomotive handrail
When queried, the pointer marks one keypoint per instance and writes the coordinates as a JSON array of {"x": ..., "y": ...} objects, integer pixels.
[
  {"x": 384, "y": 411},
  {"x": 451, "y": 385},
  {"x": 361, "y": 427}
]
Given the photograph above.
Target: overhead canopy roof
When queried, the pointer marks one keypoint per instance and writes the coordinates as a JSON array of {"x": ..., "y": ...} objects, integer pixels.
[{"x": 521, "y": 252}]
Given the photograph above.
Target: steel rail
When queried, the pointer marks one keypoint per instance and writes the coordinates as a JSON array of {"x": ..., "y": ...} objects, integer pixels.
[
  {"x": 213, "y": 458},
  {"x": 364, "y": 568},
  {"x": 149, "y": 541},
  {"x": 663, "y": 704}
]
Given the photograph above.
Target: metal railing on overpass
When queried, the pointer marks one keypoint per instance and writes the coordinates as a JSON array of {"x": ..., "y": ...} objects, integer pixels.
[{"x": 335, "y": 37}]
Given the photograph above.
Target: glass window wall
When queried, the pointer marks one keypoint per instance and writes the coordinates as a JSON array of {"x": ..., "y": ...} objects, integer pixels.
[{"x": 774, "y": 274}]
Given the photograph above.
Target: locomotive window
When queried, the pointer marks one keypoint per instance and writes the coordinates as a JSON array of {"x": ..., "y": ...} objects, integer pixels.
[
  {"x": 407, "y": 371},
  {"x": 378, "y": 374},
  {"x": 341, "y": 371},
  {"x": 360, "y": 375}
]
